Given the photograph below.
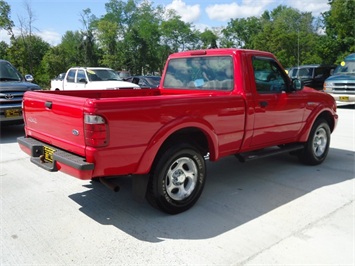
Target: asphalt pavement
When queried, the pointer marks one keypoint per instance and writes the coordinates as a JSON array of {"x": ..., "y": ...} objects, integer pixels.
[{"x": 272, "y": 211}]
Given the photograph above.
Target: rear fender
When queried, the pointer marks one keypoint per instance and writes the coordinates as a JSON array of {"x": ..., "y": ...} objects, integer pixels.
[{"x": 168, "y": 130}]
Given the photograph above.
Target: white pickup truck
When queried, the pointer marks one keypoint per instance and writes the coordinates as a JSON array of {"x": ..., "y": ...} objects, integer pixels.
[{"x": 86, "y": 78}]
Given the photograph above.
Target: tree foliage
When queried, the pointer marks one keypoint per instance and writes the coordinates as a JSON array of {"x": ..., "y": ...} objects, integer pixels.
[
  {"x": 138, "y": 36},
  {"x": 29, "y": 60},
  {"x": 340, "y": 28},
  {"x": 5, "y": 21}
]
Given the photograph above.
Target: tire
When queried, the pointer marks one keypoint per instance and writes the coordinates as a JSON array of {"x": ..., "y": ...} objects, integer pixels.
[
  {"x": 177, "y": 180},
  {"x": 317, "y": 146}
]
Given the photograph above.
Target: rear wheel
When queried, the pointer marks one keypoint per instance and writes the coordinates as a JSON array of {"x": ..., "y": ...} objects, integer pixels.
[
  {"x": 177, "y": 180},
  {"x": 317, "y": 147}
]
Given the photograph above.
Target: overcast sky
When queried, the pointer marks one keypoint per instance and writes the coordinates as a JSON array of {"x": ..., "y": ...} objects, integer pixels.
[{"x": 54, "y": 17}]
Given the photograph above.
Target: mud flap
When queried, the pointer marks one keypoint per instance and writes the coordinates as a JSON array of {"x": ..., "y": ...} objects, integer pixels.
[{"x": 139, "y": 187}]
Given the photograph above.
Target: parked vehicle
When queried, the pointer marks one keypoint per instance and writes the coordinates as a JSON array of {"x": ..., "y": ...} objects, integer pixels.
[
  {"x": 247, "y": 107},
  {"x": 12, "y": 87},
  {"x": 341, "y": 85},
  {"x": 146, "y": 82},
  {"x": 57, "y": 82},
  {"x": 312, "y": 75},
  {"x": 87, "y": 78}
]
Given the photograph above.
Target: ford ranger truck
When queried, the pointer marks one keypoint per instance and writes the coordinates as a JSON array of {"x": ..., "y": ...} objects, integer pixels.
[
  {"x": 210, "y": 104},
  {"x": 341, "y": 85}
]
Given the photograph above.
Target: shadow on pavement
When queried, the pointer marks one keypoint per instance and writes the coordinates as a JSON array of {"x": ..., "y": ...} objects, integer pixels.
[
  {"x": 234, "y": 194},
  {"x": 9, "y": 134},
  {"x": 347, "y": 106}
]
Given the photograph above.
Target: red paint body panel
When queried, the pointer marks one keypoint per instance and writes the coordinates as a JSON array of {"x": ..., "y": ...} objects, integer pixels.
[{"x": 140, "y": 121}]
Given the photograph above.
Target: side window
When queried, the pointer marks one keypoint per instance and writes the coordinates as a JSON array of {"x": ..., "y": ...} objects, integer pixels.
[
  {"x": 142, "y": 83},
  {"x": 81, "y": 76},
  {"x": 71, "y": 75},
  {"x": 321, "y": 73},
  {"x": 293, "y": 73},
  {"x": 305, "y": 73},
  {"x": 269, "y": 77}
]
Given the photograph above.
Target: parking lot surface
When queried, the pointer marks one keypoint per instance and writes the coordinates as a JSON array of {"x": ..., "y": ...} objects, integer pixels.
[{"x": 272, "y": 211}]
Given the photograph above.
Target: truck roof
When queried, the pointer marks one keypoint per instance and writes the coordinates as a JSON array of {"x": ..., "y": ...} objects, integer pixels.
[
  {"x": 219, "y": 51},
  {"x": 350, "y": 57},
  {"x": 81, "y": 67}
]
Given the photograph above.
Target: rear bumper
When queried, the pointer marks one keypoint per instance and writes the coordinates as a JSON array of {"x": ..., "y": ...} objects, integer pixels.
[{"x": 63, "y": 161}]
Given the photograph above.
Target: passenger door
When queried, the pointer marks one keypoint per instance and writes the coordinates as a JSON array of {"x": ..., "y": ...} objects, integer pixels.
[
  {"x": 69, "y": 81},
  {"x": 81, "y": 80},
  {"x": 278, "y": 110}
]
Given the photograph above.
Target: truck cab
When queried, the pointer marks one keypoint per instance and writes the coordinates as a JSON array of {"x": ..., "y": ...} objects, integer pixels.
[{"x": 341, "y": 85}]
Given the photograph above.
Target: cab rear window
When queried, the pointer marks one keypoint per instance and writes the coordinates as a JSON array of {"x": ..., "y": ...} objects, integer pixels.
[{"x": 202, "y": 73}]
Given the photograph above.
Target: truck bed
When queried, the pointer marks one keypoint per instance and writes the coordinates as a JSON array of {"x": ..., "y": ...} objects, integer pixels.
[{"x": 57, "y": 119}]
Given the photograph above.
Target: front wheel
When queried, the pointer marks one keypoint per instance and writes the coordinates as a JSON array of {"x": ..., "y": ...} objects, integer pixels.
[
  {"x": 177, "y": 180},
  {"x": 317, "y": 147}
]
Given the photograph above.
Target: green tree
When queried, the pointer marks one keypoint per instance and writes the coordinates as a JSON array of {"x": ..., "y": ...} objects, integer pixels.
[
  {"x": 241, "y": 32},
  {"x": 18, "y": 55},
  {"x": 5, "y": 20},
  {"x": 3, "y": 50},
  {"x": 340, "y": 28},
  {"x": 209, "y": 39},
  {"x": 112, "y": 30},
  {"x": 71, "y": 48},
  {"x": 107, "y": 39},
  {"x": 128, "y": 35},
  {"x": 53, "y": 63},
  {"x": 142, "y": 39},
  {"x": 88, "y": 45},
  {"x": 176, "y": 34},
  {"x": 60, "y": 58},
  {"x": 290, "y": 35}
]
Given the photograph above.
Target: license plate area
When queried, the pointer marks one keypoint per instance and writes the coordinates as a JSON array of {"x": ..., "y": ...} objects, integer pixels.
[
  {"x": 13, "y": 113},
  {"x": 344, "y": 98},
  {"x": 48, "y": 153}
]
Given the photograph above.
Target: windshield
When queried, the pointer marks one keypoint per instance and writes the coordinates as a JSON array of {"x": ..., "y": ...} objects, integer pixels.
[
  {"x": 345, "y": 68},
  {"x": 102, "y": 75},
  {"x": 8, "y": 72}
]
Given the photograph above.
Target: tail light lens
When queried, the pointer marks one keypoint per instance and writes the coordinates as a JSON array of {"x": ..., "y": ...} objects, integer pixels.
[{"x": 96, "y": 133}]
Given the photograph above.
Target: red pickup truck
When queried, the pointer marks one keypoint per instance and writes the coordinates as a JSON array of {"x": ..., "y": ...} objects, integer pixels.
[{"x": 210, "y": 104}]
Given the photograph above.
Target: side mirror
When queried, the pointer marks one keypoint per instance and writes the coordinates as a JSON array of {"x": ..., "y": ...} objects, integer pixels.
[
  {"x": 82, "y": 81},
  {"x": 297, "y": 84},
  {"x": 29, "y": 78},
  {"x": 331, "y": 72}
]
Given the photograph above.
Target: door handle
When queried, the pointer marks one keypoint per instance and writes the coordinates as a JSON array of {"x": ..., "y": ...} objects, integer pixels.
[{"x": 263, "y": 104}]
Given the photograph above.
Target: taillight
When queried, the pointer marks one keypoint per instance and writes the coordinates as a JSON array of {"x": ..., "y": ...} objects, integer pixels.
[{"x": 96, "y": 133}]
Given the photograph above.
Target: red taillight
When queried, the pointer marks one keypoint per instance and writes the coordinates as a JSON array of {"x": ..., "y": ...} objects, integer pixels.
[{"x": 95, "y": 128}]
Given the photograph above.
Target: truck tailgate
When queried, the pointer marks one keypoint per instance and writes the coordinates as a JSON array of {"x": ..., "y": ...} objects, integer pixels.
[{"x": 56, "y": 120}]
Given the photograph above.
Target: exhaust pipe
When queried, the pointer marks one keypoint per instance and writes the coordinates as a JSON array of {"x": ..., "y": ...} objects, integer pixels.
[{"x": 114, "y": 187}]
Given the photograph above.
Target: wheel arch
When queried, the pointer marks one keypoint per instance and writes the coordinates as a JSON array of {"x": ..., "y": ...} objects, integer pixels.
[
  {"x": 327, "y": 115},
  {"x": 199, "y": 135}
]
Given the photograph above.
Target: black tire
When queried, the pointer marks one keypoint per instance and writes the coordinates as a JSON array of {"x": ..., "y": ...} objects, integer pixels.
[
  {"x": 177, "y": 180},
  {"x": 317, "y": 147}
]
